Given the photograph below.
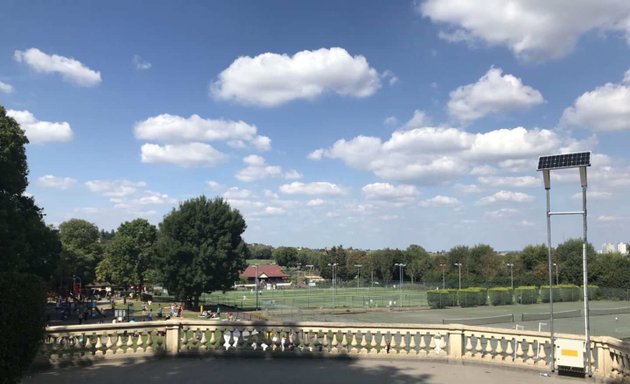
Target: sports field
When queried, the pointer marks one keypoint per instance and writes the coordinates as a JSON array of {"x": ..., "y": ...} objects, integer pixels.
[{"x": 383, "y": 305}]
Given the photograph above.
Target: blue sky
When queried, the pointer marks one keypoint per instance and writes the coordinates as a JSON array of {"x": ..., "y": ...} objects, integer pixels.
[{"x": 368, "y": 124}]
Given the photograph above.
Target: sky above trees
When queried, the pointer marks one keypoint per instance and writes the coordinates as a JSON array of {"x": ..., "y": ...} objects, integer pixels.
[{"x": 367, "y": 124}]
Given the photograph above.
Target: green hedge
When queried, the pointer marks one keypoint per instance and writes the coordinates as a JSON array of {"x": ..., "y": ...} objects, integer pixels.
[
  {"x": 23, "y": 305},
  {"x": 500, "y": 296},
  {"x": 442, "y": 298},
  {"x": 471, "y": 297},
  {"x": 561, "y": 293},
  {"x": 526, "y": 294},
  {"x": 594, "y": 293}
]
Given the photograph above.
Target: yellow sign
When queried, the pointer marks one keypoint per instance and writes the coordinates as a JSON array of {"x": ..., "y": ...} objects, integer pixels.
[{"x": 569, "y": 352}]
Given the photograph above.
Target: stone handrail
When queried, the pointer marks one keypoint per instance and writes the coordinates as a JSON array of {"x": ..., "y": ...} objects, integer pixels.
[{"x": 610, "y": 357}]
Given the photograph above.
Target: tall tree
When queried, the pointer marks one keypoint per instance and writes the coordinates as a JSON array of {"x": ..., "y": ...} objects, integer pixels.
[
  {"x": 418, "y": 262},
  {"x": 81, "y": 250},
  {"x": 285, "y": 256},
  {"x": 129, "y": 254},
  {"x": 200, "y": 248},
  {"x": 569, "y": 258}
]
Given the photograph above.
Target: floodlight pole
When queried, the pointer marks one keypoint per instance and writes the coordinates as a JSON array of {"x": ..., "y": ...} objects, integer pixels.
[
  {"x": 400, "y": 268},
  {"x": 256, "y": 281},
  {"x": 459, "y": 265},
  {"x": 547, "y": 178},
  {"x": 587, "y": 327},
  {"x": 443, "y": 276},
  {"x": 358, "y": 267}
]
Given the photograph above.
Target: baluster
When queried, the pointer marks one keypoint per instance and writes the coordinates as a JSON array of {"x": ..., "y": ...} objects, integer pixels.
[
  {"x": 509, "y": 351},
  {"x": 334, "y": 343},
  {"x": 129, "y": 344},
  {"x": 413, "y": 345},
  {"x": 384, "y": 344},
  {"x": 488, "y": 350},
  {"x": 393, "y": 344},
  {"x": 344, "y": 342},
  {"x": 204, "y": 342},
  {"x": 140, "y": 342},
  {"x": 542, "y": 354},
  {"x": 363, "y": 343},
  {"x": 326, "y": 342},
  {"x": 160, "y": 341},
  {"x": 89, "y": 346},
  {"x": 469, "y": 346},
  {"x": 519, "y": 352},
  {"x": 109, "y": 344},
  {"x": 498, "y": 352},
  {"x": 402, "y": 346},
  {"x": 354, "y": 343},
  {"x": 373, "y": 345},
  {"x": 149, "y": 344},
  {"x": 478, "y": 347},
  {"x": 99, "y": 346},
  {"x": 530, "y": 353},
  {"x": 422, "y": 347}
]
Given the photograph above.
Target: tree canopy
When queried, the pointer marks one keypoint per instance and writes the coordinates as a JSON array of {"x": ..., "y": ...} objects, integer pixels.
[
  {"x": 81, "y": 250},
  {"x": 200, "y": 248}
]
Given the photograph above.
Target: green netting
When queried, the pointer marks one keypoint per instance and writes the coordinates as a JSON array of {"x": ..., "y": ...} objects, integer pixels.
[
  {"x": 556, "y": 315},
  {"x": 509, "y": 318},
  {"x": 608, "y": 311}
]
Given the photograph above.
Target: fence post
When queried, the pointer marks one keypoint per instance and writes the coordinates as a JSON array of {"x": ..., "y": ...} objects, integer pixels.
[{"x": 172, "y": 339}]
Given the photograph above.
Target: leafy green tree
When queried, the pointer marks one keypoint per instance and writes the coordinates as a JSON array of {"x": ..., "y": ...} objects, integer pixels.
[
  {"x": 26, "y": 243},
  {"x": 200, "y": 248},
  {"x": 533, "y": 255},
  {"x": 81, "y": 250},
  {"x": 418, "y": 262},
  {"x": 129, "y": 254},
  {"x": 611, "y": 270},
  {"x": 569, "y": 258},
  {"x": 286, "y": 256},
  {"x": 260, "y": 251}
]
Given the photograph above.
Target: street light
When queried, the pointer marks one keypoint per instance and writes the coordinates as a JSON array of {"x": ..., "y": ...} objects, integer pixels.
[
  {"x": 443, "y": 276},
  {"x": 400, "y": 269},
  {"x": 256, "y": 282},
  {"x": 511, "y": 265},
  {"x": 358, "y": 266},
  {"x": 579, "y": 160},
  {"x": 556, "y": 265},
  {"x": 459, "y": 266},
  {"x": 334, "y": 282}
]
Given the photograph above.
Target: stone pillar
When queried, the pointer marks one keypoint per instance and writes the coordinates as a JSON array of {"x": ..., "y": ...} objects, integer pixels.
[
  {"x": 455, "y": 344},
  {"x": 172, "y": 339}
]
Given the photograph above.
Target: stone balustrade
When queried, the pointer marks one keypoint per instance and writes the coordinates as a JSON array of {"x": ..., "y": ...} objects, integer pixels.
[{"x": 610, "y": 358}]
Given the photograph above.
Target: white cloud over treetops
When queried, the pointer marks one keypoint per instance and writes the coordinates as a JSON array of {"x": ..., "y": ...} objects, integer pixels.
[
  {"x": 257, "y": 169},
  {"x": 115, "y": 188},
  {"x": 70, "y": 69},
  {"x": 51, "y": 181},
  {"x": 606, "y": 108},
  {"x": 315, "y": 188},
  {"x": 40, "y": 132},
  {"x": 532, "y": 30},
  {"x": 494, "y": 92},
  {"x": 6, "y": 88},
  {"x": 272, "y": 79},
  {"x": 184, "y": 155},
  {"x": 435, "y": 154}
]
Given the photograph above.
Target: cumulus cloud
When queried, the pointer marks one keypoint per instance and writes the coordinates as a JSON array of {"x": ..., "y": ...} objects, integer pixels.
[
  {"x": 115, "y": 188},
  {"x": 70, "y": 69},
  {"x": 315, "y": 203},
  {"x": 436, "y": 154},
  {"x": 510, "y": 181},
  {"x": 293, "y": 175},
  {"x": 51, "y": 181},
  {"x": 168, "y": 128},
  {"x": 441, "y": 201},
  {"x": 257, "y": 169},
  {"x": 40, "y": 132},
  {"x": 272, "y": 79},
  {"x": 506, "y": 196},
  {"x": 315, "y": 188},
  {"x": 184, "y": 155},
  {"x": 6, "y": 88},
  {"x": 214, "y": 186},
  {"x": 494, "y": 92},
  {"x": 606, "y": 108},
  {"x": 419, "y": 119},
  {"x": 391, "y": 121},
  {"x": 390, "y": 193},
  {"x": 532, "y": 30},
  {"x": 234, "y": 193},
  {"x": 139, "y": 64}
]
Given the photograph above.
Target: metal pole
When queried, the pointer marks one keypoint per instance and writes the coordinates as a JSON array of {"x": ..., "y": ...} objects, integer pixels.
[
  {"x": 400, "y": 267},
  {"x": 553, "y": 346},
  {"x": 585, "y": 282},
  {"x": 557, "y": 279},
  {"x": 256, "y": 280}
]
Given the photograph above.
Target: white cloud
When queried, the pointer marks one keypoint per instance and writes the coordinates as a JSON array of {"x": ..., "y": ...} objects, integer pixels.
[
  {"x": 606, "y": 108},
  {"x": 315, "y": 188},
  {"x": 506, "y": 196},
  {"x": 609, "y": 219},
  {"x": 390, "y": 193},
  {"x": 40, "y": 132},
  {"x": 494, "y": 92},
  {"x": 593, "y": 195},
  {"x": 184, "y": 155},
  {"x": 532, "y": 30},
  {"x": 271, "y": 79},
  {"x": 50, "y": 181},
  {"x": 502, "y": 213},
  {"x": 257, "y": 169},
  {"x": 419, "y": 119},
  {"x": 214, "y": 186},
  {"x": 391, "y": 121},
  {"x": 70, "y": 69},
  {"x": 293, "y": 175},
  {"x": 168, "y": 128},
  {"x": 155, "y": 198},
  {"x": 115, "y": 188},
  {"x": 441, "y": 201},
  {"x": 315, "y": 203},
  {"x": 235, "y": 193},
  {"x": 433, "y": 155},
  {"x": 510, "y": 181},
  {"x": 140, "y": 64},
  {"x": 6, "y": 88}
]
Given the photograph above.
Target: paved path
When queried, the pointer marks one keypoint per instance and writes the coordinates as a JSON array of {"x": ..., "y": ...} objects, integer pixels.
[{"x": 299, "y": 371}]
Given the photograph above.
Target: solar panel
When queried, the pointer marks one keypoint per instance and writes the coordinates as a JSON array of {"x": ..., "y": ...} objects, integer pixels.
[{"x": 567, "y": 160}]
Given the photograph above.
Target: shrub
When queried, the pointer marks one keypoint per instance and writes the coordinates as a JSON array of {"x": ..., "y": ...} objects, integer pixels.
[
  {"x": 23, "y": 304},
  {"x": 526, "y": 294},
  {"x": 471, "y": 297},
  {"x": 442, "y": 298},
  {"x": 594, "y": 293},
  {"x": 562, "y": 292},
  {"x": 500, "y": 296}
]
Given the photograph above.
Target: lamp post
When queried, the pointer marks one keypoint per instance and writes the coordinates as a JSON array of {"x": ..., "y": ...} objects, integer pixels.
[
  {"x": 400, "y": 269},
  {"x": 556, "y": 265},
  {"x": 459, "y": 266},
  {"x": 546, "y": 164},
  {"x": 443, "y": 276},
  {"x": 334, "y": 282},
  {"x": 256, "y": 282},
  {"x": 358, "y": 266},
  {"x": 511, "y": 265},
  {"x": 310, "y": 267}
]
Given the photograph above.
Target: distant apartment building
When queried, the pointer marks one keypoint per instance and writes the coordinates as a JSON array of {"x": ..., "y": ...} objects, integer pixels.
[{"x": 622, "y": 248}]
